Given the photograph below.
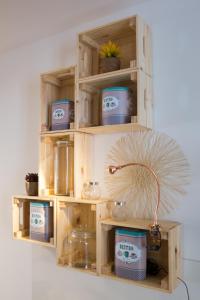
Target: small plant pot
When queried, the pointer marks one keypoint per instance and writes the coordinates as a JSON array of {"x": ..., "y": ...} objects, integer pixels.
[
  {"x": 109, "y": 64},
  {"x": 31, "y": 188}
]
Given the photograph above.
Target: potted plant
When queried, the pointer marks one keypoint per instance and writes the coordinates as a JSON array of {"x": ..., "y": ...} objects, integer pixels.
[
  {"x": 31, "y": 181},
  {"x": 109, "y": 57}
]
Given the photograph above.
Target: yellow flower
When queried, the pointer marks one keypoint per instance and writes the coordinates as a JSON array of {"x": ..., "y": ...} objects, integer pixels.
[{"x": 109, "y": 49}]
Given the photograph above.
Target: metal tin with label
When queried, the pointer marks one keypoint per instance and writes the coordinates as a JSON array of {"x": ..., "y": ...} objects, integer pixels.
[
  {"x": 62, "y": 114},
  {"x": 41, "y": 221},
  {"x": 130, "y": 254},
  {"x": 117, "y": 105}
]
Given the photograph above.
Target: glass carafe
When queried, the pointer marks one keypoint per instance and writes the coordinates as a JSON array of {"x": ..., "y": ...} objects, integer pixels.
[{"x": 63, "y": 168}]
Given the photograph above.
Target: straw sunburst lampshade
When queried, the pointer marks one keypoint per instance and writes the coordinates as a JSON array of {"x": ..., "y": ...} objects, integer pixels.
[{"x": 136, "y": 185}]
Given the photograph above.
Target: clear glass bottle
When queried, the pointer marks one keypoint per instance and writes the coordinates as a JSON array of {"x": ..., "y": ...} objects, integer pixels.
[
  {"x": 63, "y": 168},
  {"x": 120, "y": 211},
  {"x": 95, "y": 192},
  {"x": 80, "y": 248}
]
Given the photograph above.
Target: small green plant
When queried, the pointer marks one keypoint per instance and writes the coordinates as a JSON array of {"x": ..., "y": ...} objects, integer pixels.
[
  {"x": 109, "y": 49},
  {"x": 31, "y": 177}
]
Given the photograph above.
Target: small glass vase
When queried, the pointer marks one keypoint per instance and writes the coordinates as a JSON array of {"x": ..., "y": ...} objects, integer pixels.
[
  {"x": 91, "y": 190},
  {"x": 120, "y": 211},
  {"x": 95, "y": 192},
  {"x": 86, "y": 191}
]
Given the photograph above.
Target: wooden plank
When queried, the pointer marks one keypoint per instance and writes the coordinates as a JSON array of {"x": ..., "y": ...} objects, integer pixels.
[
  {"x": 148, "y": 101},
  {"x": 114, "y": 29},
  {"x": 174, "y": 257},
  {"x": 153, "y": 282},
  {"x": 58, "y": 133},
  {"x": 46, "y": 167},
  {"x": 27, "y": 239},
  {"x": 145, "y": 224},
  {"x": 103, "y": 211},
  {"x": 15, "y": 216},
  {"x": 117, "y": 128},
  {"x": 83, "y": 161},
  {"x": 100, "y": 79},
  {"x": 76, "y": 95},
  {"x": 89, "y": 41},
  {"x": 67, "y": 199},
  {"x": 52, "y": 80},
  {"x": 66, "y": 75},
  {"x": 140, "y": 27},
  {"x": 60, "y": 71},
  {"x": 37, "y": 198},
  {"x": 141, "y": 107},
  {"x": 148, "y": 50}
]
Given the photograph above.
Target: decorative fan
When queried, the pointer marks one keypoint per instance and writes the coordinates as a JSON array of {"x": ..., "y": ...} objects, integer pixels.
[{"x": 139, "y": 155}]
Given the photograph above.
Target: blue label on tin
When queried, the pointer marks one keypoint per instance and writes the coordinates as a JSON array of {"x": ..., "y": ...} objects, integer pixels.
[
  {"x": 127, "y": 252},
  {"x": 58, "y": 114},
  {"x": 110, "y": 103}
]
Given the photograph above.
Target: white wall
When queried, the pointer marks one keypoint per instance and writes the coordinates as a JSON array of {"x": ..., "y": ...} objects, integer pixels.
[{"x": 176, "y": 63}]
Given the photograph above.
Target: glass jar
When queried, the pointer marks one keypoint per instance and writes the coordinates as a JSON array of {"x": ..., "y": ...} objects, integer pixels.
[
  {"x": 120, "y": 211},
  {"x": 63, "y": 168},
  {"x": 94, "y": 190},
  {"x": 80, "y": 248},
  {"x": 86, "y": 191}
]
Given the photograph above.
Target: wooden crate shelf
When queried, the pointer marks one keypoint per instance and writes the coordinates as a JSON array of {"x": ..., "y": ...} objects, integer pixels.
[
  {"x": 21, "y": 218},
  {"x": 83, "y": 84},
  {"x": 131, "y": 34},
  {"x": 89, "y": 106},
  {"x": 56, "y": 85},
  {"x": 168, "y": 257},
  {"x": 80, "y": 161},
  {"x": 76, "y": 212}
]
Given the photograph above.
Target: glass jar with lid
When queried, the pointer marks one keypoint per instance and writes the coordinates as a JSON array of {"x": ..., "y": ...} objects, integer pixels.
[
  {"x": 63, "y": 167},
  {"x": 80, "y": 248}
]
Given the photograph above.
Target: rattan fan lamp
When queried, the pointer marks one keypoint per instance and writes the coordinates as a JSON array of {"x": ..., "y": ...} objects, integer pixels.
[{"x": 153, "y": 174}]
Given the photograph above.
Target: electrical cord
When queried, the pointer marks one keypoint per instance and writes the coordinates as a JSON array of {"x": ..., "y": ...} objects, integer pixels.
[{"x": 186, "y": 287}]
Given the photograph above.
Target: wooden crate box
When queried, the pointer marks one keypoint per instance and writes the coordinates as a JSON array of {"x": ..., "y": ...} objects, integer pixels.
[
  {"x": 81, "y": 161},
  {"x": 21, "y": 218},
  {"x": 168, "y": 257},
  {"x": 72, "y": 213},
  {"x": 56, "y": 85},
  {"x": 131, "y": 34},
  {"x": 90, "y": 101}
]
